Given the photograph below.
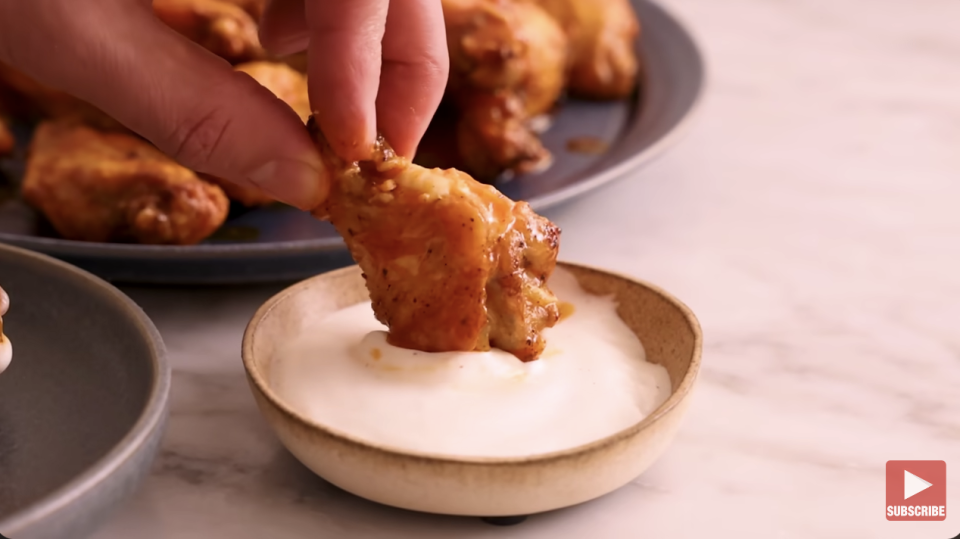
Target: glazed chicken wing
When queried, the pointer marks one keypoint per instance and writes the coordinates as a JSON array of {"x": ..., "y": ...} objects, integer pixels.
[
  {"x": 450, "y": 263},
  {"x": 507, "y": 65},
  {"x": 290, "y": 86},
  {"x": 602, "y": 34},
  {"x": 285, "y": 82},
  {"x": 96, "y": 186},
  {"x": 220, "y": 26}
]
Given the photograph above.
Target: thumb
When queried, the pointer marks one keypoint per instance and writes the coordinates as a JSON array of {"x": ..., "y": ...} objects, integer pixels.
[{"x": 191, "y": 104}]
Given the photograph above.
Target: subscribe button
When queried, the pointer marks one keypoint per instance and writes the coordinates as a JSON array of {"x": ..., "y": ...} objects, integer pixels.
[{"x": 916, "y": 490}]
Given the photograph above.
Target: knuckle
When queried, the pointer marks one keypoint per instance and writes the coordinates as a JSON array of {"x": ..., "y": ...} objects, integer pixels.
[
  {"x": 437, "y": 65},
  {"x": 198, "y": 140}
]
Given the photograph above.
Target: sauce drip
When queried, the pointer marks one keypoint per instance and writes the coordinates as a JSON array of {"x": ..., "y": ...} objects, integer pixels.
[{"x": 587, "y": 145}]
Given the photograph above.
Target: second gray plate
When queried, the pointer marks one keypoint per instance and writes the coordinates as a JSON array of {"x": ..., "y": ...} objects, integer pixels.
[
  {"x": 280, "y": 243},
  {"x": 82, "y": 405}
]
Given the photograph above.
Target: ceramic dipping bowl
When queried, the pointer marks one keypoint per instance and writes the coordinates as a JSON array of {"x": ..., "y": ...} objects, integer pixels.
[{"x": 471, "y": 486}]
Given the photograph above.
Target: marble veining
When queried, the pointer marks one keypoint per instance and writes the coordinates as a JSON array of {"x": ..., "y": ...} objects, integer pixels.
[{"x": 810, "y": 220}]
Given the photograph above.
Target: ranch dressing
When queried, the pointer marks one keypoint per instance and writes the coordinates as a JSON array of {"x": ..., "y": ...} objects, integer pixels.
[{"x": 591, "y": 382}]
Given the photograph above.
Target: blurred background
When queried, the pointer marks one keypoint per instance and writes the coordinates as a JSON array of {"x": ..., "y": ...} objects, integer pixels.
[{"x": 808, "y": 216}]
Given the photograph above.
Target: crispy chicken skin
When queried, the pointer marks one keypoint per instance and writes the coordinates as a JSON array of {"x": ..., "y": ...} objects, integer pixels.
[
  {"x": 493, "y": 135},
  {"x": 602, "y": 33},
  {"x": 285, "y": 82},
  {"x": 450, "y": 263},
  {"x": 96, "y": 186},
  {"x": 220, "y": 26},
  {"x": 6, "y": 138},
  {"x": 507, "y": 64},
  {"x": 290, "y": 86}
]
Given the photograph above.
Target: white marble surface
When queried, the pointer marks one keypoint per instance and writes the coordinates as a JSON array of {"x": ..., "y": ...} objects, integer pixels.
[{"x": 810, "y": 219}]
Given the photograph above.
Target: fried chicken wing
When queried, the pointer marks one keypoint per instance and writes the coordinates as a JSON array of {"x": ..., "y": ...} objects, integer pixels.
[
  {"x": 96, "y": 186},
  {"x": 221, "y": 26},
  {"x": 291, "y": 87},
  {"x": 493, "y": 135},
  {"x": 602, "y": 34},
  {"x": 285, "y": 82},
  {"x": 450, "y": 263},
  {"x": 507, "y": 64}
]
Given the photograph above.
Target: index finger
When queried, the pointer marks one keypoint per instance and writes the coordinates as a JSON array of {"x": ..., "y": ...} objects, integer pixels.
[
  {"x": 414, "y": 72},
  {"x": 344, "y": 58}
]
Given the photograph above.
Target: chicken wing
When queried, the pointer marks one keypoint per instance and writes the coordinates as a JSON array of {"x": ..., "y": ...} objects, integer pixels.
[
  {"x": 291, "y": 87},
  {"x": 285, "y": 82},
  {"x": 450, "y": 263},
  {"x": 507, "y": 64},
  {"x": 96, "y": 186},
  {"x": 602, "y": 35},
  {"x": 220, "y": 26},
  {"x": 493, "y": 135}
]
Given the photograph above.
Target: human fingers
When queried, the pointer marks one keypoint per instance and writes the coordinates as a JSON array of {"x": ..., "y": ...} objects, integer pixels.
[
  {"x": 344, "y": 71},
  {"x": 412, "y": 77},
  {"x": 414, "y": 72},
  {"x": 283, "y": 27},
  {"x": 191, "y": 104}
]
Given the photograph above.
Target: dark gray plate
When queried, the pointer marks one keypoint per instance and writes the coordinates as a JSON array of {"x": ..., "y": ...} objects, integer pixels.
[
  {"x": 82, "y": 405},
  {"x": 280, "y": 243}
]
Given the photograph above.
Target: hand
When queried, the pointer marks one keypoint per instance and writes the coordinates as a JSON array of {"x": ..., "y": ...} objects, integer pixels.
[{"x": 116, "y": 55}]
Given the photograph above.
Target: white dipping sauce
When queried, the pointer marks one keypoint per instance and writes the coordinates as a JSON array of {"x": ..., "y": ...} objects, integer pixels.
[
  {"x": 6, "y": 352},
  {"x": 591, "y": 381}
]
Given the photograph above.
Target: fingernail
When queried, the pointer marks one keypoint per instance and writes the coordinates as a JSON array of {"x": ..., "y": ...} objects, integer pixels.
[{"x": 299, "y": 183}]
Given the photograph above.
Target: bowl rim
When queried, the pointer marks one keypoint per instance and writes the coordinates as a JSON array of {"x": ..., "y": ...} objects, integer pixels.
[
  {"x": 676, "y": 396},
  {"x": 152, "y": 417}
]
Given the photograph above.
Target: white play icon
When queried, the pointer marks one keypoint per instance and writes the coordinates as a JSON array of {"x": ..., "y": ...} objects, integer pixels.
[{"x": 913, "y": 485}]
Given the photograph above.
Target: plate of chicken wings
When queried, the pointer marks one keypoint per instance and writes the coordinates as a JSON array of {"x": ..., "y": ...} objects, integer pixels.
[{"x": 546, "y": 100}]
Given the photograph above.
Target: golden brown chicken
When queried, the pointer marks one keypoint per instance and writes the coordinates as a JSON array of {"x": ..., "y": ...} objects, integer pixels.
[
  {"x": 285, "y": 82},
  {"x": 602, "y": 36},
  {"x": 96, "y": 186},
  {"x": 6, "y": 139},
  {"x": 450, "y": 263},
  {"x": 220, "y": 26},
  {"x": 507, "y": 65},
  {"x": 291, "y": 87}
]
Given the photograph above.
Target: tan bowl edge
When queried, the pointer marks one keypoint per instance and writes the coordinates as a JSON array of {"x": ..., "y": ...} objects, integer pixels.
[{"x": 594, "y": 281}]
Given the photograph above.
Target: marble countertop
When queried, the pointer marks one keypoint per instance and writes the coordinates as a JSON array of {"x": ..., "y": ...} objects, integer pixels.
[{"x": 810, "y": 219}]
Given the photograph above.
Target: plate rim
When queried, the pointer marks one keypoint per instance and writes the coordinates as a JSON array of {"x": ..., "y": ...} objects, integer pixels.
[
  {"x": 152, "y": 417},
  {"x": 657, "y": 149},
  {"x": 292, "y": 248}
]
